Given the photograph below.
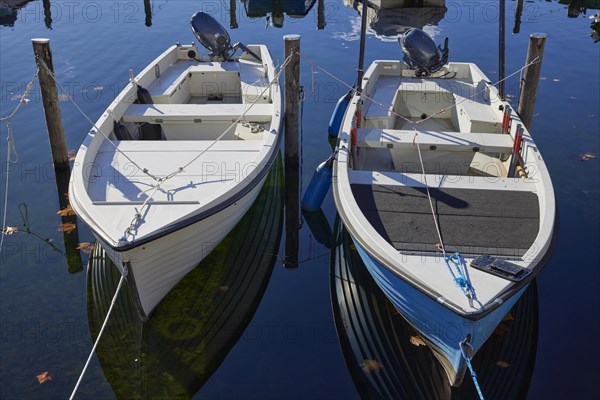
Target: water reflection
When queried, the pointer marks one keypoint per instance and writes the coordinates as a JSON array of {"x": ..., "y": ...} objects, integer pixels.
[
  {"x": 9, "y": 11},
  {"x": 386, "y": 357},
  {"x": 576, "y": 8},
  {"x": 275, "y": 10},
  {"x": 391, "y": 18},
  {"x": 201, "y": 319}
]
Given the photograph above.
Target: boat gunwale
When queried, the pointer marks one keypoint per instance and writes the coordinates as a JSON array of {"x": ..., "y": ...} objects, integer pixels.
[
  {"x": 94, "y": 140},
  {"x": 548, "y": 229}
]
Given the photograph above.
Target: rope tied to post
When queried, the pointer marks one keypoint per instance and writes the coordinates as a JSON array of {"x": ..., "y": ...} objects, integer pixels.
[
  {"x": 390, "y": 108},
  {"x": 12, "y": 157}
]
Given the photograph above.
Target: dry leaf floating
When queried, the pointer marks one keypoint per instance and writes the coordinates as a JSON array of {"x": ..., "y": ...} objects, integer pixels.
[
  {"x": 85, "y": 247},
  {"x": 503, "y": 364},
  {"x": 9, "y": 230},
  {"x": 67, "y": 227},
  {"x": 501, "y": 330},
  {"x": 370, "y": 366},
  {"x": 44, "y": 377},
  {"x": 66, "y": 212},
  {"x": 587, "y": 156},
  {"x": 417, "y": 341}
]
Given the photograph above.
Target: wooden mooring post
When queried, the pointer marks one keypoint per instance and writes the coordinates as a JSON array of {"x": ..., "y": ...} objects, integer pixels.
[
  {"x": 292, "y": 149},
  {"x": 58, "y": 147},
  {"x": 531, "y": 77},
  {"x": 56, "y": 134}
]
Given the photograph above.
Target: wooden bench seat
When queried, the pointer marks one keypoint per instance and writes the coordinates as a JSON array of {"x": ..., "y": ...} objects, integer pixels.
[
  {"x": 196, "y": 113},
  {"x": 440, "y": 181},
  {"x": 432, "y": 140}
]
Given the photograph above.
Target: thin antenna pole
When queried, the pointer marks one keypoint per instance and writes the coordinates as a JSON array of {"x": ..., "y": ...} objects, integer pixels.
[
  {"x": 363, "y": 35},
  {"x": 502, "y": 46}
]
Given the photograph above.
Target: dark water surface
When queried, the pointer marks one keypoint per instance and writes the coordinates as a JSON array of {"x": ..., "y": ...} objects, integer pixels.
[{"x": 280, "y": 338}]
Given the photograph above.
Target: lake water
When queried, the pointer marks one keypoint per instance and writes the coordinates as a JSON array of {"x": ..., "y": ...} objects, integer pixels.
[{"x": 283, "y": 343}]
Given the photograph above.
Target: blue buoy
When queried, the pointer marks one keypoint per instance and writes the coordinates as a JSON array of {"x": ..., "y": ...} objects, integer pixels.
[
  {"x": 318, "y": 186},
  {"x": 335, "y": 123}
]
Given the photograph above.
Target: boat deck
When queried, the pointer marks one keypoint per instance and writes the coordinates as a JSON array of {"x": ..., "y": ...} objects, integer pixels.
[{"x": 472, "y": 221}]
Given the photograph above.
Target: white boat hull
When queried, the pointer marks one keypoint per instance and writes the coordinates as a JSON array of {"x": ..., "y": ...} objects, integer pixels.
[{"x": 153, "y": 269}]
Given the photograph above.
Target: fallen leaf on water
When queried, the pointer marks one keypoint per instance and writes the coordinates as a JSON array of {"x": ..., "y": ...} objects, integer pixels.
[
  {"x": 224, "y": 288},
  {"x": 86, "y": 247},
  {"x": 508, "y": 317},
  {"x": 66, "y": 212},
  {"x": 371, "y": 366},
  {"x": 503, "y": 364},
  {"x": 417, "y": 341},
  {"x": 43, "y": 377},
  {"x": 9, "y": 230},
  {"x": 391, "y": 308},
  {"x": 587, "y": 156},
  {"x": 501, "y": 330},
  {"x": 67, "y": 227}
]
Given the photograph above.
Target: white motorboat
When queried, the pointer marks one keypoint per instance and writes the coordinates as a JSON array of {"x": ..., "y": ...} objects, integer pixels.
[
  {"x": 178, "y": 158},
  {"x": 445, "y": 195}
]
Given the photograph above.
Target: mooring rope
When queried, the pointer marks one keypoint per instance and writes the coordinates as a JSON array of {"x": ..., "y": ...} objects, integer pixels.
[
  {"x": 160, "y": 181},
  {"x": 460, "y": 278},
  {"x": 89, "y": 359},
  {"x": 408, "y": 120},
  {"x": 80, "y": 110},
  {"x": 467, "y": 352},
  {"x": 11, "y": 148}
]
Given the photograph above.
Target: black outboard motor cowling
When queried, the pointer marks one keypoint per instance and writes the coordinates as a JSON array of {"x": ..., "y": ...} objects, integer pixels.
[
  {"x": 421, "y": 53},
  {"x": 215, "y": 38},
  {"x": 211, "y": 35}
]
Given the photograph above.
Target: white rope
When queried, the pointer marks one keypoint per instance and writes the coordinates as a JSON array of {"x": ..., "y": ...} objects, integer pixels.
[
  {"x": 72, "y": 101},
  {"x": 410, "y": 121},
  {"x": 138, "y": 215},
  {"x": 11, "y": 148},
  {"x": 433, "y": 213},
  {"x": 114, "y": 300}
]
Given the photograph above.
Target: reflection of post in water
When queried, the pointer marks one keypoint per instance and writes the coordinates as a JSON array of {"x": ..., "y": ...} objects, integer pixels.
[
  {"x": 47, "y": 14},
  {"x": 232, "y": 14},
  {"x": 292, "y": 170},
  {"x": 70, "y": 237},
  {"x": 148, "y": 11},
  {"x": 518, "y": 13},
  {"x": 321, "y": 15}
]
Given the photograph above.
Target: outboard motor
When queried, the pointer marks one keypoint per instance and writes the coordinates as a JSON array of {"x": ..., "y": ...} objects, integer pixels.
[
  {"x": 215, "y": 38},
  {"x": 421, "y": 54}
]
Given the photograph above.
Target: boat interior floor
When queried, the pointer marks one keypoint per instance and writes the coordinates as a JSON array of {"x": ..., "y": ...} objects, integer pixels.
[{"x": 472, "y": 221}]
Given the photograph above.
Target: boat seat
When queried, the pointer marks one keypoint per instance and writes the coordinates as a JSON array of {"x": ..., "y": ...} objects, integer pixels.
[
  {"x": 433, "y": 140},
  {"x": 254, "y": 81},
  {"x": 196, "y": 113},
  {"x": 361, "y": 177},
  {"x": 384, "y": 93}
]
